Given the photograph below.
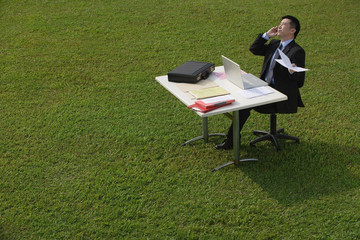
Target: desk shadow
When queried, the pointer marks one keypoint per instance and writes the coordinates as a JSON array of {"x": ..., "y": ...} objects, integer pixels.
[{"x": 303, "y": 171}]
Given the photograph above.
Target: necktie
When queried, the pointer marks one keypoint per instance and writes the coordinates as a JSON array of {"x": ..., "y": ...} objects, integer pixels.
[{"x": 270, "y": 73}]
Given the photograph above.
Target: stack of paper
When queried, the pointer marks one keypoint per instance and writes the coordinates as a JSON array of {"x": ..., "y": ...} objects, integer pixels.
[
  {"x": 255, "y": 92},
  {"x": 187, "y": 87},
  {"x": 209, "y": 92}
]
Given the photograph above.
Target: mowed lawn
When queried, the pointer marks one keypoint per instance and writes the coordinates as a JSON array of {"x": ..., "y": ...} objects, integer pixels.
[{"x": 90, "y": 142}]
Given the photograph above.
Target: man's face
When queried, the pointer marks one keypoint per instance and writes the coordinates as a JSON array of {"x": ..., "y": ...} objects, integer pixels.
[{"x": 285, "y": 31}]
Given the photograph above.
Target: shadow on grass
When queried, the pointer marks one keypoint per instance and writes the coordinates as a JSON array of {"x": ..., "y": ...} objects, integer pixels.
[
  {"x": 298, "y": 172},
  {"x": 303, "y": 171}
]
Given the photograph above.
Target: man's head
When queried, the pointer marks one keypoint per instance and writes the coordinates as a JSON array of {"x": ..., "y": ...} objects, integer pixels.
[{"x": 289, "y": 27}]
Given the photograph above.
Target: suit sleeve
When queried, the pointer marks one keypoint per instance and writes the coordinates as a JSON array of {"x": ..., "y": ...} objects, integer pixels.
[
  {"x": 299, "y": 59},
  {"x": 259, "y": 47}
]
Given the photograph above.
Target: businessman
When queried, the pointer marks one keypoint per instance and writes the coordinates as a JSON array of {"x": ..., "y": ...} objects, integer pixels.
[{"x": 282, "y": 79}]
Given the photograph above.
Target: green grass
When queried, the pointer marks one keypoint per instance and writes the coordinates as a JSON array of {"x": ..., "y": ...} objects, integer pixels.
[{"x": 89, "y": 141}]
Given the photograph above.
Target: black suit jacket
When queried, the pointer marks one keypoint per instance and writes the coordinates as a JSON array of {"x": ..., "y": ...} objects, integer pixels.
[{"x": 284, "y": 82}]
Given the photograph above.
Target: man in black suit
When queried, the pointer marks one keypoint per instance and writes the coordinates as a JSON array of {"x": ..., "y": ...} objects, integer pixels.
[{"x": 282, "y": 79}]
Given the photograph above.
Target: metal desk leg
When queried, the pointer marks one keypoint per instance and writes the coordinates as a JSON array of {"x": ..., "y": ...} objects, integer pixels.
[
  {"x": 236, "y": 138},
  {"x": 236, "y": 144},
  {"x": 205, "y": 129},
  {"x": 205, "y": 135}
]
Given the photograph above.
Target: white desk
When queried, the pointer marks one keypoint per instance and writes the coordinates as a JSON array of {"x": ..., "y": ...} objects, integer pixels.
[{"x": 239, "y": 104}]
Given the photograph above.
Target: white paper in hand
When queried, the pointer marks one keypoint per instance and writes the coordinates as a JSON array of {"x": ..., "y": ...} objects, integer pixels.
[{"x": 285, "y": 61}]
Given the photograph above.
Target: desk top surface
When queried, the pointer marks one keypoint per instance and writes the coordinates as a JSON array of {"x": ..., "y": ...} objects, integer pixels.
[{"x": 240, "y": 101}]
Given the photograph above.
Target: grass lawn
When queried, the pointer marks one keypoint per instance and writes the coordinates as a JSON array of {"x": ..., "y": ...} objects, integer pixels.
[{"x": 90, "y": 142}]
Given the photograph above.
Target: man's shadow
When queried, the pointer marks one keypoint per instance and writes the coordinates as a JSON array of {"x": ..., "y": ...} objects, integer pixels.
[{"x": 303, "y": 171}]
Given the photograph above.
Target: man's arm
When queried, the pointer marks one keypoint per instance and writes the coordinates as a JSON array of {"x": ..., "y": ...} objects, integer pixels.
[
  {"x": 259, "y": 46},
  {"x": 298, "y": 59}
]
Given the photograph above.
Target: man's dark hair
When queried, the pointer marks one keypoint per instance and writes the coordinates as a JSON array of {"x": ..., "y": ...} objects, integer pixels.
[{"x": 293, "y": 24}]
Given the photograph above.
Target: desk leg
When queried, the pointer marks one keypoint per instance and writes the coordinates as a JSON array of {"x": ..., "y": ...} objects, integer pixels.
[
  {"x": 236, "y": 138},
  {"x": 205, "y": 135},
  {"x": 236, "y": 143},
  {"x": 205, "y": 129}
]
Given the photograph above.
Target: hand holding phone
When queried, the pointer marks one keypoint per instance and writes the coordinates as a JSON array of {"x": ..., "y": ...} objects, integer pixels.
[{"x": 272, "y": 32}]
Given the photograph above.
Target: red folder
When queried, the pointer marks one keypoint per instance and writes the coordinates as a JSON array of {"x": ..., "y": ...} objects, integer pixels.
[
  {"x": 214, "y": 104},
  {"x": 200, "y": 108}
]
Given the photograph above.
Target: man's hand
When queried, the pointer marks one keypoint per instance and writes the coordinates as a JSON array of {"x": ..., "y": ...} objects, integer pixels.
[
  {"x": 272, "y": 32},
  {"x": 292, "y": 71}
]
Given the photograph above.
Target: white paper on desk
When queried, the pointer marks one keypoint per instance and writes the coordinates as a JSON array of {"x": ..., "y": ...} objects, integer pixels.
[
  {"x": 285, "y": 61},
  {"x": 255, "y": 92},
  {"x": 219, "y": 75},
  {"x": 187, "y": 87},
  {"x": 218, "y": 99}
]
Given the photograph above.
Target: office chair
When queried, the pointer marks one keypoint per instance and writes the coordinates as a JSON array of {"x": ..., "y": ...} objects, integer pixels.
[{"x": 273, "y": 135}]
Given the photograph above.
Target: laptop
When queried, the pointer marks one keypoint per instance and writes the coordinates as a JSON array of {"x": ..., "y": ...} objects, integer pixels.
[{"x": 243, "y": 81}]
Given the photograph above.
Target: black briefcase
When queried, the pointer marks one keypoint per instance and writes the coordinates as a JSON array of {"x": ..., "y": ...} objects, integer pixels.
[{"x": 191, "y": 72}]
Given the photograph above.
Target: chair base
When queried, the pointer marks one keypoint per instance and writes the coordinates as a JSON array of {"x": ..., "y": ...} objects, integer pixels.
[{"x": 273, "y": 135}]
